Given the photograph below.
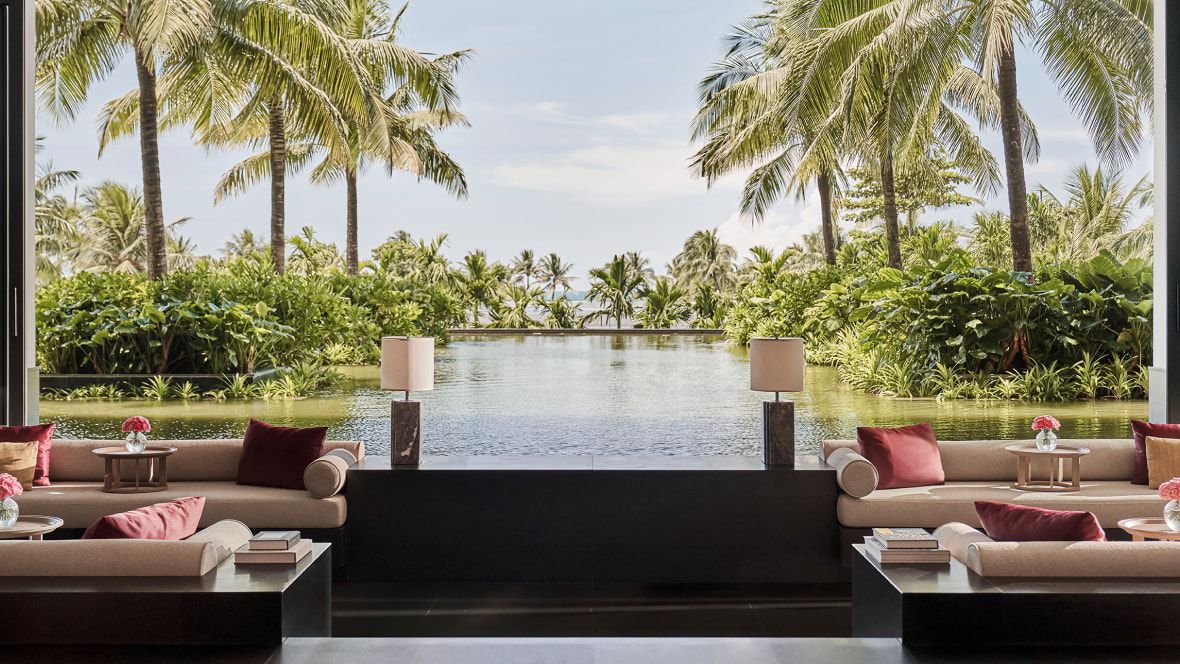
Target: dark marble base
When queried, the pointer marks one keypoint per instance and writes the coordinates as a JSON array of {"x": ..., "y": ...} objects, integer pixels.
[
  {"x": 406, "y": 432},
  {"x": 778, "y": 433}
]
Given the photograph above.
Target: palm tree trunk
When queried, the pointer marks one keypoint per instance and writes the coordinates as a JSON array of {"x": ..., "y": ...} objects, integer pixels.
[
  {"x": 1014, "y": 161},
  {"x": 350, "y": 239},
  {"x": 827, "y": 228},
  {"x": 149, "y": 156},
  {"x": 278, "y": 185},
  {"x": 889, "y": 193}
]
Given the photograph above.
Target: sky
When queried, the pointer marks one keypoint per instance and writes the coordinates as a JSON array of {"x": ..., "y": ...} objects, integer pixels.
[{"x": 579, "y": 142}]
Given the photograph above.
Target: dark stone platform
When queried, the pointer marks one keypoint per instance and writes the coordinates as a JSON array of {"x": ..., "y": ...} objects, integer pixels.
[
  {"x": 949, "y": 605},
  {"x": 230, "y": 605},
  {"x": 593, "y": 519}
]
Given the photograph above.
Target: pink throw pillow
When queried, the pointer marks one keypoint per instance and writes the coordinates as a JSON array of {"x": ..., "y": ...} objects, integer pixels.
[
  {"x": 1141, "y": 430},
  {"x": 42, "y": 434},
  {"x": 173, "y": 520},
  {"x": 277, "y": 456},
  {"x": 1017, "y": 523},
  {"x": 904, "y": 456}
]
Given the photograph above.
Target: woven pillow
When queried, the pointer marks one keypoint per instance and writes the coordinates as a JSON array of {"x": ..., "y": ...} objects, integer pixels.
[
  {"x": 1163, "y": 460},
  {"x": 20, "y": 461}
]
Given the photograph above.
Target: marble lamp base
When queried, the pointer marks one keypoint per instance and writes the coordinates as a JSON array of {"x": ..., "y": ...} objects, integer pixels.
[
  {"x": 405, "y": 433},
  {"x": 778, "y": 433}
]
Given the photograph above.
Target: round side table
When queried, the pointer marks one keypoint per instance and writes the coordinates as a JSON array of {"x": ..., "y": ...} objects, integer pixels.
[
  {"x": 1144, "y": 528},
  {"x": 32, "y": 526},
  {"x": 150, "y": 474},
  {"x": 1024, "y": 457}
]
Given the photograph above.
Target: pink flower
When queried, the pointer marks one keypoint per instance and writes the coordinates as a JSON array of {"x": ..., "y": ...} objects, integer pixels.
[
  {"x": 1170, "y": 490},
  {"x": 9, "y": 486},
  {"x": 1045, "y": 422},
  {"x": 137, "y": 423}
]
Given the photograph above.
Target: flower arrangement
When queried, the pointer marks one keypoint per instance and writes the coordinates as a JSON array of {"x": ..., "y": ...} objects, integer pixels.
[
  {"x": 1170, "y": 490},
  {"x": 9, "y": 487},
  {"x": 1045, "y": 423},
  {"x": 137, "y": 424}
]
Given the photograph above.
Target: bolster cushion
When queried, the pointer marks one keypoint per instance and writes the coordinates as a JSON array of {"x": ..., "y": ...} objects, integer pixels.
[
  {"x": 957, "y": 537},
  {"x": 325, "y": 476},
  {"x": 106, "y": 558},
  {"x": 226, "y": 536},
  {"x": 855, "y": 475},
  {"x": 1075, "y": 559}
]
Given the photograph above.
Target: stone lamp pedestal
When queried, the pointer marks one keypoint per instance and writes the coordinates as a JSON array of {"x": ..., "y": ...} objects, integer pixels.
[
  {"x": 405, "y": 434},
  {"x": 778, "y": 433}
]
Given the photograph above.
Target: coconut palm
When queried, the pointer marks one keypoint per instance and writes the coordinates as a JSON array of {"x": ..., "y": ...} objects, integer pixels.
[
  {"x": 516, "y": 300},
  {"x": 1098, "y": 52},
  {"x": 244, "y": 244},
  {"x": 705, "y": 259},
  {"x": 616, "y": 286},
  {"x": 79, "y": 42},
  {"x": 57, "y": 220},
  {"x": 312, "y": 256},
  {"x": 480, "y": 280},
  {"x": 1093, "y": 216},
  {"x": 555, "y": 272},
  {"x": 562, "y": 313},
  {"x": 665, "y": 305},
  {"x": 525, "y": 267},
  {"x": 115, "y": 229}
]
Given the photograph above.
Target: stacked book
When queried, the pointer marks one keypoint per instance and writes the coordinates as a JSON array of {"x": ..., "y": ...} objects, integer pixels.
[
  {"x": 905, "y": 545},
  {"x": 273, "y": 547}
]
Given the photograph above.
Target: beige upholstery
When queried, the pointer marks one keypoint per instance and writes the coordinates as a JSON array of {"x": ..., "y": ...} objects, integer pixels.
[
  {"x": 855, "y": 475},
  {"x": 976, "y": 460},
  {"x": 55, "y": 558},
  {"x": 194, "y": 460},
  {"x": 956, "y": 537},
  {"x": 324, "y": 477},
  {"x": 932, "y": 506},
  {"x": 80, "y": 503}
]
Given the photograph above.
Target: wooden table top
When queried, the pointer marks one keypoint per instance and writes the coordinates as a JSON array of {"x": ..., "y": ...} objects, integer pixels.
[
  {"x": 1061, "y": 451},
  {"x": 149, "y": 452},
  {"x": 30, "y": 525},
  {"x": 1152, "y": 526}
]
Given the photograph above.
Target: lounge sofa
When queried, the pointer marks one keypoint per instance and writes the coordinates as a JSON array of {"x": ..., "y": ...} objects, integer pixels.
[
  {"x": 983, "y": 470},
  {"x": 198, "y": 468}
]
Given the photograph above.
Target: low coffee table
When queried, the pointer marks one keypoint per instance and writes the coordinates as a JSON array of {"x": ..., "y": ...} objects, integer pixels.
[
  {"x": 31, "y": 526},
  {"x": 151, "y": 469},
  {"x": 1024, "y": 457},
  {"x": 1144, "y": 528}
]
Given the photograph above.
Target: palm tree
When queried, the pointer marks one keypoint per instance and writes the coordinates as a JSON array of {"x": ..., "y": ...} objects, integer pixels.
[
  {"x": 562, "y": 313},
  {"x": 244, "y": 244},
  {"x": 1093, "y": 216},
  {"x": 665, "y": 305},
  {"x": 79, "y": 42},
  {"x": 705, "y": 259},
  {"x": 312, "y": 256},
  {"x": 516, "y": 301},
  {"x": 616, "y": 285},
  {"x": 525, "y": 268},
  {"x": 555, "y": 272},
  {"x": 481, "y": 280},
  {"x": 1099, "y": 53},
  {"x": 57, "y": 221},
  {"x": 115, "y": 229}
]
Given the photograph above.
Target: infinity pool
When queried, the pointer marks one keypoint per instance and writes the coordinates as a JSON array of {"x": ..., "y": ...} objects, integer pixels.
[{"x": 600, "y": 394}]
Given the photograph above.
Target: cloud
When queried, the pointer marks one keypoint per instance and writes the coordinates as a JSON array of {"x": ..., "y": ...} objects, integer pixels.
[
  {"x": 637, "y": 122},
  {"x": 776, "y": 231}
]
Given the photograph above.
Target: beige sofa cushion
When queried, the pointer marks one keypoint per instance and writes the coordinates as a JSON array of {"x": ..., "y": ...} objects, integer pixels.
[
  {"x": 1075, "y": 559},
  {"x": 984, "y": 460},
  {"x": 193, "y": 461},
  {"x": 1163, "y": 460},
  {"x": 856, "y": 476},
  {"x": 80, "y": 503},
  {"x": 194, "y": 556},
  {"x": 956, "y": 537},
  {"x": 932, "y": 506},
  {"x": 324, "y": 477}
]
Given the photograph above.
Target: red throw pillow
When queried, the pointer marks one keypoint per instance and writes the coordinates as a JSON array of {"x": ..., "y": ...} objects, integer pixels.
[
  {"x": 905, "y": 456},
  {"x": 1017, "y": 523},
  {"x": 42, "y": 434},
  {"x": 277, "y": 456},
  {"x": 1141, "y": 431},
  {"x": 173, "y": 520}
]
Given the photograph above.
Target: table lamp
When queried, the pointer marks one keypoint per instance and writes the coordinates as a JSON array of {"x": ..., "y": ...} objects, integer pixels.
[
  {"x": 776, "y": 365},
  {"x": 407, "y": 363}
]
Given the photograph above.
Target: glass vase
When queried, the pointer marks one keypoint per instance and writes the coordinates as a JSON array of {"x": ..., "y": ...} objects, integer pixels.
[
  {"x": 1172, "y": 515},
  {"x": 136, "y": 442},
  {"x": 10, "y": 512},
  {"x": 1046, "y": 440}
]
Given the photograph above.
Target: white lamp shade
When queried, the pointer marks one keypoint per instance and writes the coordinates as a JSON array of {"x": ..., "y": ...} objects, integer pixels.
[
  {"x": 407, "y": 363},
  {"x": 776, "y": 365}
]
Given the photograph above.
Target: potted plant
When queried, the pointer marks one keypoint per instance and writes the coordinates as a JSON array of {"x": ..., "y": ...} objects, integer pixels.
[
  {"x": 136, "y": 427},
  {"x": 10, "y": 487},
  {"x": 1046, "y": 427}
]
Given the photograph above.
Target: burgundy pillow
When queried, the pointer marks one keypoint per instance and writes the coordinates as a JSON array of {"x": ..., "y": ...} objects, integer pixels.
[
  {"x": 1141, "y": 431},
  {"x": 173, "y": 520},
  {"x": 42, "y": 434},
  {"x": 905, "y": 456},
  {"x": 277, "y": 456},
  {"x": 1017, "y": 523}
]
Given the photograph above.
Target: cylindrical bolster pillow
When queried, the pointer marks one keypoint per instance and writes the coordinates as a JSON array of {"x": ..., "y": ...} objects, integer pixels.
[
  {"x": 226, "y": 536},
  {"x": 855, "y": 475},
  {"x": 325, "y": 476},
  {"x": 956, "y": 537}
]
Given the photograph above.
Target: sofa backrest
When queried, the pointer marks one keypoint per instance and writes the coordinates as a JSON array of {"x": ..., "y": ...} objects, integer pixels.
[
  {"x": 193, "y": 461},
  {"x": 194, "y": 556},
  {"x": 986, "y": 460}
]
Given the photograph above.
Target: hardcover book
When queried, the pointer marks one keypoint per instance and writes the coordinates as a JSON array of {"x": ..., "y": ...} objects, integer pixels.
[
  {"x": 274, "y": 540},
  {"x": 245, "y": 556},
  {"x": 905, "y": 538},
  {"x": 911, "y": 556}
]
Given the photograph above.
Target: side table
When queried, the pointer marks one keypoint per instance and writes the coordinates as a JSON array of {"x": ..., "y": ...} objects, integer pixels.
[
  {"x": 1025, "y": 454},
  {"x": 31, "y": 526},
  {"x": 150, "y": 474},
  {"x": 1143, "y": 528}
]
